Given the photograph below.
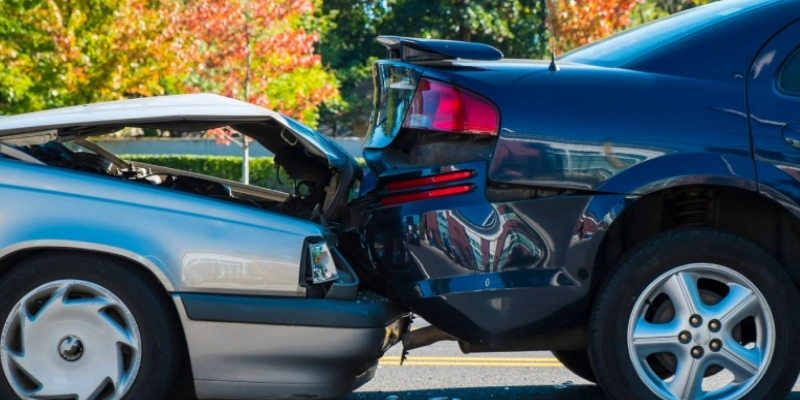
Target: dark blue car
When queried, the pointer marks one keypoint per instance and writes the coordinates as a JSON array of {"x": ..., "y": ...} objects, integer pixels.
[{"x": 632, "y": 206}]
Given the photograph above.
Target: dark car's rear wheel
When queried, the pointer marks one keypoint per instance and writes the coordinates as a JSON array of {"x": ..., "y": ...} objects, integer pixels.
[
  {"x": 577, "y": 361},
  {"x": 84, "y": 327},
  {"x": 696, "y": 314}
]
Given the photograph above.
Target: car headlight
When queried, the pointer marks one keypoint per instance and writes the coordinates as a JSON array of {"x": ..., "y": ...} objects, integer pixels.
[{"x": 323, "y": 269}]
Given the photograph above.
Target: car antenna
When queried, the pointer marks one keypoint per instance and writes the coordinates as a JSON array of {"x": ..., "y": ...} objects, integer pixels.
[{"x": 553, "y": 66}]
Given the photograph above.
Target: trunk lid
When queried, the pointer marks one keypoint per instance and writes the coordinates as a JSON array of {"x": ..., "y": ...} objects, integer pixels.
[
  {"x": 279, "y": 134},
  {"x": 193, "y": 110}
]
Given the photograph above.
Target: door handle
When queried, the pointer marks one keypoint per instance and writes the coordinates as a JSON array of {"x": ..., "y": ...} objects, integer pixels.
[{"x": 791, "y": 134}]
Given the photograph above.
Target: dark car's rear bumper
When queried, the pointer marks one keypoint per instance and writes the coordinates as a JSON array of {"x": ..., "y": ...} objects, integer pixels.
[
  {"x": 244, "y": 347},
  {"x": 492, "y": 265}
]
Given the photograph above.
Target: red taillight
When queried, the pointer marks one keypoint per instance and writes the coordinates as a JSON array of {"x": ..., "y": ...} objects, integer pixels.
[
  {"x": 428, "y": 194},
  {"x": 429, "y": 180},
  {"x": 444, "y": 107}
]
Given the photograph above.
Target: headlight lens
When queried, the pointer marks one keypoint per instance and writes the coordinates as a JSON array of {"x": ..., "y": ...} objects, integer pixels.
[{"x": 323, "y": 269}]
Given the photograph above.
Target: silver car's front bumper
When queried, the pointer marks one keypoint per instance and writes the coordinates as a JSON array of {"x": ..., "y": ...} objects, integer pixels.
[{"x": 254, "y": 348}]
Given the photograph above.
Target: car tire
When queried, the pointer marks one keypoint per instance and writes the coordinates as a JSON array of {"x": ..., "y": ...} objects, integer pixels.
[
  {"x": 577, "y": 361},
  {"x": 119, "y": 333},
  {"x": 732, "y": 314}
]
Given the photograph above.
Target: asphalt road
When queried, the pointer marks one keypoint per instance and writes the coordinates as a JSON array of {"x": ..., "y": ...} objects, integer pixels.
[{"x": 442, "y": 372}]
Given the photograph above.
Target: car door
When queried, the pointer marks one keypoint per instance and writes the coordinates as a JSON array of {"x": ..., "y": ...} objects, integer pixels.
[{"x": 774, "y": 104}]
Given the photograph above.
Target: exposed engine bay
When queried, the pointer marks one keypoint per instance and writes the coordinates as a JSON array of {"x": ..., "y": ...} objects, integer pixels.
[{"x": 315, "y": 183}]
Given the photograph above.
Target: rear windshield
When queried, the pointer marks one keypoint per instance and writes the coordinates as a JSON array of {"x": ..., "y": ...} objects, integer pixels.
[{"x": 625, "y": 47}]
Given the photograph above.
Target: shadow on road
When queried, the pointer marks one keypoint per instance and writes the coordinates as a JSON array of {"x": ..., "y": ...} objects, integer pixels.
[
  {"x": 581, "y": 392},
  {"x": 549, "y": 392}
]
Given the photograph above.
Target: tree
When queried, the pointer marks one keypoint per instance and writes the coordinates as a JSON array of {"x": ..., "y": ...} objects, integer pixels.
[
  {"x": 73, "y": 52},
  {"x": 655, "y": 9},
  {"x": 578, "y": 22},
  {"x": 257, "y": 51},
  {"x": 349, "y": 46}
]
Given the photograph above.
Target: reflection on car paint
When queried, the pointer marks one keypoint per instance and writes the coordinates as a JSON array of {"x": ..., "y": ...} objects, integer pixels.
[
  {"x": 500, "y": 242},
  {"x": 202, "y": 270},
  {"x": 537, "y": 160}
]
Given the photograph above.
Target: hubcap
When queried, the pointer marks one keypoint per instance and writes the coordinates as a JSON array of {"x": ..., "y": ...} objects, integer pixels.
[
  {"x": 95, "y": 337},
  {"x": 735, "y": 333}
]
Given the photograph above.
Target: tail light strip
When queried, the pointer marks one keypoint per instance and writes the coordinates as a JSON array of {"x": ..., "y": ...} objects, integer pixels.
[
  {"x": 429, "y": 180},
  {"x": 417, "y": 183},
  {"x": 424, "y": 195}
]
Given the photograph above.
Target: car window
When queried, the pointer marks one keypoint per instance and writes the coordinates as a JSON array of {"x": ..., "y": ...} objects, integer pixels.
[
  {"x": 623, "y": 48},
  {"x": 789, "y": 80}
]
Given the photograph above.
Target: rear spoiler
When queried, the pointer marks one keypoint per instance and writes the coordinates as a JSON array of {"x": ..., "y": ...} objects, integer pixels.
[{"x": 414, "y": 49}]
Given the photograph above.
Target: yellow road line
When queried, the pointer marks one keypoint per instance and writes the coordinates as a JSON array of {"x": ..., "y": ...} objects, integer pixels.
[
  {"x": 477, "y": 364},
  {"x": 472, "y": 362},
  {"x": 443, "y": 358}
]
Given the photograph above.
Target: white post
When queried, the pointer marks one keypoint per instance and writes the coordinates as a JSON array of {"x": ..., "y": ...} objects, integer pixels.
[{"x": 245, "y": 161}]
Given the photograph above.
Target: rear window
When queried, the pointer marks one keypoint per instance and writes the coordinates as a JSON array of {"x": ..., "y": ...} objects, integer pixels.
[
  {"x": 625, "y": 47},
  {"x": 789, "y": 81}
]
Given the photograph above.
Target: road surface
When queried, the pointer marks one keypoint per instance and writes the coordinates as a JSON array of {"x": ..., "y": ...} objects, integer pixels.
[{"x": 442, "y": 372}]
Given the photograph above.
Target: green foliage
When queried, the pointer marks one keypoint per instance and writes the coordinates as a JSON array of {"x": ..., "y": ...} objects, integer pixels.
[
  {"x": 262, "y": 169},
  {"x": 69, "y": 52},
  {"x": 652, "y": 10},
  {"x": 646, "y": 12},
  {"x": 348, "y": 45},
  {"x": 38, "y": 39},
  {"x": 61, "y": 53}
]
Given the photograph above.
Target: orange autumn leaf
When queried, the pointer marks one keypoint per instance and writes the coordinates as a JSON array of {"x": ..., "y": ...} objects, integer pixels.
[
  {"x": 578, "y": 22},
  {"x": 257, "y": 51}
]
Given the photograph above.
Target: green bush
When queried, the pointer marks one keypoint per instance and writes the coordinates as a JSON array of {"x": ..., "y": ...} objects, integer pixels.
[{"x": 262, "y": 169}]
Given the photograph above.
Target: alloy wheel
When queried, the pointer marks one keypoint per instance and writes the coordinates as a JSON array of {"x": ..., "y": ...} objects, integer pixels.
[{"x": 716, "y": 340}]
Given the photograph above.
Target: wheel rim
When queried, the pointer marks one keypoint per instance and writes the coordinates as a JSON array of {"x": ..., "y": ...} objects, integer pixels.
[
  {"x": 704, "y": 339},
  {"x": 70, "y": 339}
]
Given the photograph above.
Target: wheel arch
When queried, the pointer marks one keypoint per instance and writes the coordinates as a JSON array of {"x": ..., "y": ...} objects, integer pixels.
[
  {"x": 150, "y": 266},
  {"x": 745, "y": 213}
]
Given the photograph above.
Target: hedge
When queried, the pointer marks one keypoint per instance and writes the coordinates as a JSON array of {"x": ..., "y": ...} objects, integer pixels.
[{"x": 262, "y": 169}]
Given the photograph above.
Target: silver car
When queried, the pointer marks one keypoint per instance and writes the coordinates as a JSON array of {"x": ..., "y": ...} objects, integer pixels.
[{"x": 123, "y": 280}]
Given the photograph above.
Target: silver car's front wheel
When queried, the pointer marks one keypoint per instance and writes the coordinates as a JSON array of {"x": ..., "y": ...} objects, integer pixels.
[
  {"x": 701, "y": 331},
  {"x": 70, "y": 339}
]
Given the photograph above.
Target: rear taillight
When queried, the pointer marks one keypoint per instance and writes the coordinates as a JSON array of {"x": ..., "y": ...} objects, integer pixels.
[
  {"x": 444, "y": 107},
  {"x": 424, "y": 195}
]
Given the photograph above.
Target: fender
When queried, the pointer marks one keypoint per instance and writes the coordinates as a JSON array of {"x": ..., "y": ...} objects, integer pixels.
[
  {"x": 619, "y": 192},
  {"x": 683, "y": 169}
]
